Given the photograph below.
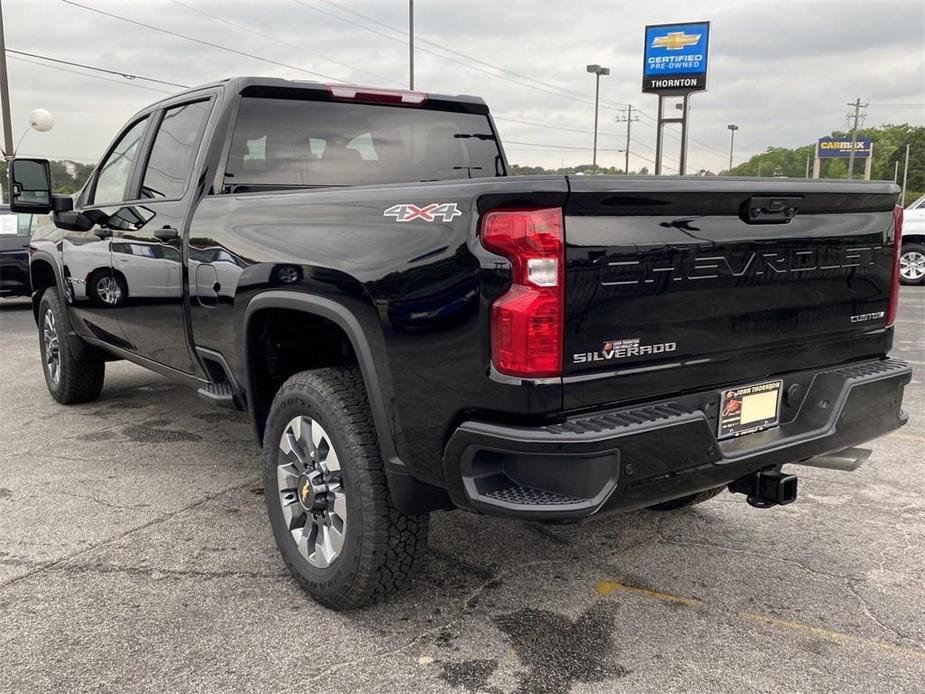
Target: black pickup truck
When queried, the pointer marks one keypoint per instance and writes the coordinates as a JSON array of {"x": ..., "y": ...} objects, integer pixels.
[{"x": 410, "y": 329}]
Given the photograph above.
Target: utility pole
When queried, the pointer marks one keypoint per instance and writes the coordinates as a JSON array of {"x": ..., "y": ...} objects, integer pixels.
[
  {"x": 857, "y": 106},
  {"x": 806, "y": 175},
  {"x": 411, "y": 44},
  {"x": 902, "y": 202},
  {"x": 628, "y": 119},
  {"x": 5, "y": 95}
]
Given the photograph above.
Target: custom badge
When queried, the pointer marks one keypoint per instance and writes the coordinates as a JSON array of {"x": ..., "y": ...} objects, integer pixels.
[{"x": 406, "y": 212}]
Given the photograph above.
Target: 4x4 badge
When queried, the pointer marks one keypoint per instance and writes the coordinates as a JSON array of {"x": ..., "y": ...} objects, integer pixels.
[{"x": 406, "y": 212}]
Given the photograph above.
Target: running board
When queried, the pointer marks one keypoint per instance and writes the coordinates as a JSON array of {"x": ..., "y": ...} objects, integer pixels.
[{"x": 220, "y": 394}]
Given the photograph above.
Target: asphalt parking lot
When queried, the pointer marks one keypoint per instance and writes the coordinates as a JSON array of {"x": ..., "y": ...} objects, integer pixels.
[{"x": 135, "y": 555}]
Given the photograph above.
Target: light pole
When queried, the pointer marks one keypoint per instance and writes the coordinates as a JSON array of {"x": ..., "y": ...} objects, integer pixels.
[
  {"x": 597, "y": 71},
  {"x": 411, "y": 45},
  {"x": 732, "y": 142}
]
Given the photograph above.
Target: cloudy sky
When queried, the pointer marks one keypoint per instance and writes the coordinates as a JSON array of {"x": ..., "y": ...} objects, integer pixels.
[{"x": 783, "y": 71}]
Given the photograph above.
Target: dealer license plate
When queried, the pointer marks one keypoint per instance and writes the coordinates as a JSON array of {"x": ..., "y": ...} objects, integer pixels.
[{"x": 749, "y": 409}]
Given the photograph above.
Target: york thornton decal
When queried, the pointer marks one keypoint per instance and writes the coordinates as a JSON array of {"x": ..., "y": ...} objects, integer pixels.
[
  {"x": 623, "y": 349},
  {"x": 406, "y": 212}
]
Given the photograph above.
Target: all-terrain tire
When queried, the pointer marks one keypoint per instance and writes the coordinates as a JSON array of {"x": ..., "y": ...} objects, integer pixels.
[
  {"x": 685, "y": 501},
  {"x": 72, "y": 381},
  {"x": 380, "y": 544}
]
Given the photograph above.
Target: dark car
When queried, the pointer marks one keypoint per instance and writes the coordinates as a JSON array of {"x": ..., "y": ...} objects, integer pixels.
[{"x": 15, "y": 230}]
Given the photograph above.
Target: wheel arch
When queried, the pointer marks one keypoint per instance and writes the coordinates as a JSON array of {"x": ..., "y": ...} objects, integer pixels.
[
  {"x": 43, "y": 273},
  {"x": 409, "y": 494},
  {"x": 342, "y": 317}
]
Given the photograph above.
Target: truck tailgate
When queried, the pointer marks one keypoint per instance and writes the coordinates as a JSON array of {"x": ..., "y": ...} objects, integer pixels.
[{"x": 682, "y": 275}]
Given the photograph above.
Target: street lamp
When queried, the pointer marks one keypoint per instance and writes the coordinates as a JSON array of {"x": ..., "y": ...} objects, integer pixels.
[
  {"x": 597, "y": 71},
  {"x": 40, "y": 121},
  {"x": 732, "y": 140}
]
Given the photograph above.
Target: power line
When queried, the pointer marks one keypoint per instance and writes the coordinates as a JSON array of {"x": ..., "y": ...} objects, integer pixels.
[
  {"x": 218, "y": 46},
  {"x": 556, "y": 92},
  {"x": 84, "y": 74},
  {"x": 462, "y": 55},
  {"x": 270, "y": 37},
  {"x": 126, "y": 75},
  {"x": 545, "y": 144},
  {"x": 552, "y": 127}
]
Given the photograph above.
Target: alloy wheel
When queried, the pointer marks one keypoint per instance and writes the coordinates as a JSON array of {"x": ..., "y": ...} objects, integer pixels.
[
  {"x": 912, "y": 266},
  {"x": 311, "y": 491},
  {"x": 52, "y": 349},
  {"x": 108, "y": 289}
]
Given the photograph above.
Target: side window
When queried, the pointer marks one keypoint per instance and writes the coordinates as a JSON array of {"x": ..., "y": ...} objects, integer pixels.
[
  {"x": 23, "y": 224},
  {"x": 174, "y": 150},
  {"x": 114, "y": 172}
]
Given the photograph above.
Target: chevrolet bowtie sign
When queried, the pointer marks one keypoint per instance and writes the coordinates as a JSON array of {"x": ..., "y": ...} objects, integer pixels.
[{"x": 675, "y": 58}]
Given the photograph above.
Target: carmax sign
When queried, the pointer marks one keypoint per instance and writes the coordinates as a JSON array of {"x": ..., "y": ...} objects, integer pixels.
[{"x": 836, "y": 148}]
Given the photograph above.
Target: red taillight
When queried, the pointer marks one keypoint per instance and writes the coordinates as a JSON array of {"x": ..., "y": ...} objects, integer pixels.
[
  {"x": 348, "y": 92},
  {"x": 526, "y": 321},
  {"x": 893, "y": 305}
]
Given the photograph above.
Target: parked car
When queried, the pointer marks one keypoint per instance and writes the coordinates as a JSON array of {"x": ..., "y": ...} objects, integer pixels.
[
  {"x": 912, "y": 256},
  {"x": 15, "y": 230},
  {"x": 410, "y": 329}
]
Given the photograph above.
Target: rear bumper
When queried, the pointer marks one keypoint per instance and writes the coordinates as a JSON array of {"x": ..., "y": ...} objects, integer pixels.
[{"x": 630, "y": 458}]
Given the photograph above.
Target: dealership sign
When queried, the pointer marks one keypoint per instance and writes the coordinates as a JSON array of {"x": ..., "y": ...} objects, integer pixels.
[
  {"x": 837, "y": 148},
  {"x": 675, "y": 58}
]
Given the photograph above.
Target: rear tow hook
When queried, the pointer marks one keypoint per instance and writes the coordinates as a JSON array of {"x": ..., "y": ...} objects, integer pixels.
[{"x": 767, "y": 488}]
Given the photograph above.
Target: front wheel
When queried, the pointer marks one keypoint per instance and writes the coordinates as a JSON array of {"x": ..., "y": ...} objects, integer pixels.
[
  {"x": 328, "y": 502},
  {"x": 912, "y": 263},
  {"x": 69, "y": 381}
]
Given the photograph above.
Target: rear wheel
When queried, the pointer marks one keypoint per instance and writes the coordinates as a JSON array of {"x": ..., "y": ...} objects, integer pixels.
[
  {"x": 685, "y": 501},
  {"x": 912, "y": 263},
  {"x": 326, "y": 493},
  {"x": 69, "y": 381}
]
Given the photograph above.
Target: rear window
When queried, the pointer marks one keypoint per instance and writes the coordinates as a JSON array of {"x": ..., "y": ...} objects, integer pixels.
[{"x": 284, "y": 142}]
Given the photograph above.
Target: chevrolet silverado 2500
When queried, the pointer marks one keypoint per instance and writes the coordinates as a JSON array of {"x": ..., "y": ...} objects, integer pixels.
[{"x": 410, "y": 329}]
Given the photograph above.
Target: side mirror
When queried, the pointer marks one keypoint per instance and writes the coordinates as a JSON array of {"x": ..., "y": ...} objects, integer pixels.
[{"x": 30, "y": 186}]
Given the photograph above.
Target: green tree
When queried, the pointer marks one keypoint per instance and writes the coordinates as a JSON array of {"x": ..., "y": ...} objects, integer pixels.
[{"x": 889, "y": 147}]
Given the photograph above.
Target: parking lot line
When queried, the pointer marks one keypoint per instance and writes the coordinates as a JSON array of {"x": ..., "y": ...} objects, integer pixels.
[{"x": 605, "y": 588}]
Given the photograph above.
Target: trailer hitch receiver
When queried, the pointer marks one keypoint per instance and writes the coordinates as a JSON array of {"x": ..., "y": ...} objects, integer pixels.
[{"x": 767, "y": 488}]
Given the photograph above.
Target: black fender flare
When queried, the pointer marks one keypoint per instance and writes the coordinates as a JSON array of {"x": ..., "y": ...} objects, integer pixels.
[
  {"x": 409, "y": 494},
  {"x": 42, "y": 256},
  {"x": 342, "y": 316}
]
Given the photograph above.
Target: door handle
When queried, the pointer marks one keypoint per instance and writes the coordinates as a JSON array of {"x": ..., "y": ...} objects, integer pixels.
[
  {"x": 166, "y": 234},
  {"x": 102, "y": 232}
]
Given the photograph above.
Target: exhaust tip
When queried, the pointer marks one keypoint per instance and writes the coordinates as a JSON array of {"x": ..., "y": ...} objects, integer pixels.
[{"x": 847, "y": 460}]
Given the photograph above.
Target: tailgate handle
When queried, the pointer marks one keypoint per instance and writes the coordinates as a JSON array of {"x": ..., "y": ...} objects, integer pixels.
[{"x": 770, "y": 210}]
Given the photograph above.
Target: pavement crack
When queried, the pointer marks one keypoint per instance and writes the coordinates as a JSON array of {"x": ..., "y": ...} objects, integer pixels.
[
  {"x": 903, "y": 636},
  {"x": 107, "y": 504},
  {"x": 734, "y": 550},
  {"x": 115, "y": 538}
]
